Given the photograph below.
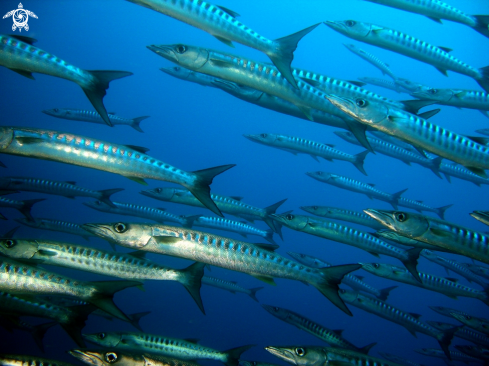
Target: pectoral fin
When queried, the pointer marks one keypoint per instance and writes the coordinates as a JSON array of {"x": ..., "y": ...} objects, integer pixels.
[
  {"x": 137, "y": 180},
  {"x": 166, "y": 239},
  {"x": 227, "y": 42},
  {"x": 220, "y": 63},
  {"x": 28, "y": 140},
  {"x": 27, "y": 74},
  {"x": 443, "y": 71},
  {"x": 268, "y": 280}
]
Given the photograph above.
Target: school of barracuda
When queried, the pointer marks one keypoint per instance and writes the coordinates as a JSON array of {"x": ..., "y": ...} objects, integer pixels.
[{"x": 397, "y": 129}]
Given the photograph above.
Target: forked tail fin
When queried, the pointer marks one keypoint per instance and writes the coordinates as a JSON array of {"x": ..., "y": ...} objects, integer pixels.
[
  {"x": 38, "y": 333},
  {"x": 27, "y": 206},
  {"x": 440, "y": 211},
  {"x": 384, "y": 293},
  {"x": 359, "y": 160},
  {"x": 136, "y": 121},
  {"x": 106, "y": 193},
  {"x": 446, "y": 339},
  {"x": 74, "y": 325},
  {"x": 367, "y": 348},
  {"x": 482, "y": 25},
  {"x": 274, "y": 225},
  {"x": 97, "y": 91},
  {"x": 411, "y": 262},
  {"x": 484, "y": 82},
  {"x": 253, "y": 292},
  {"x": 395, "y": 198},
  {"x": 234, "y": 354},
  {"x": 193, "y": 281},
  {"x": 269, "y": 237}
]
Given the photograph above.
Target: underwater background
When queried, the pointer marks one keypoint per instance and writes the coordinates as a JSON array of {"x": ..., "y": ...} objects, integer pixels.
[{"x": 193, "y": 127}]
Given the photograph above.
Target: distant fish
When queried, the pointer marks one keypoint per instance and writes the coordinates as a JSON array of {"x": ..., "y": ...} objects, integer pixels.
[
  {"x": 454, "y": 355},
  {"x": 480, "y": 352},
  {"x": 478, "y": 270},
  {"x": 109, "y": 356},
  {"x": 24, "y": 207},
  {"x": 89, "y": 116},
  {"x": 126, "y": 160},
  {"x": 18, "y": 54},
  {"x": 482, "y": 216},
  {"x": 450, "y": 169},
  {"x": 29, "y": 360},
  {"x": 479, "y": 324},
  {"x": 437, "y": 10},
  {"x": 398, "y": 360},
  {"x": 230, "y": 286},
  {"x": 372, "y": 59},
  {"x": 395, "y": 141},
  {"x": 448, "y": 311},
  {"x": 387, "y": 84},
  {"x": 420, "y": 206},
  {"x": 409, "y": 46},
  {"x": 464, "y": 333},
  {"x": 56, "y": 225}
]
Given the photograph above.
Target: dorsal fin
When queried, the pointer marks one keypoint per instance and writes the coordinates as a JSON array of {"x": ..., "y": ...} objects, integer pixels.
[
  {"x": 417, "y": 316},
  {"x": 330, "y": 145},
  {"x": 361, "y": 277},
  {"x": 356, "y": 83},
  {"x": 71, "y": 182},
  {"x": 266, "y": 246},
  {"x": 446, "y": 49},
  {"x": 24, "y": 39},
  {"x": 371, "y": 184},
  {"x": 10, "y": 233},
  {"x": 141, "y": 254},
  {"x": 237, "y": 198},
  {"x": 338, "y": 331},
  {"x": 192, "y": 340},
  {"x": 161, "y": 208},
  {"x": 451, "y": 279},
  {"x": 140, "y": 149},
  {"x": 480, "y": 140},
  {"x": 228, "y": 12}
]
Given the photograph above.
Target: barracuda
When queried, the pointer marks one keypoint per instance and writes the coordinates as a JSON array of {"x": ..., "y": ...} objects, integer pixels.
[
  {"x": 22, "y": 360},
  {"x": 230, "y": 286},
  {"x": 219, "y": 223},
  {"x": 446, "y": 311},
  {"x": 408, "y": 320},
  {"x": 223, "y": 252},
  {"x": 230, "y": 205},
  {"x": 479, "y": 352},
  {"x": 478, "y": 270},
  {"x": 399, "y": 360},
  {"x": 350, "y": 236},
  {"x": 323, "y": 356},
  {"x": 386, "y": 84},
  {"x": 354, "y": 281},
  {"x": 454, "y": 267},
  {"x": 130, "y": 209},
  {"x": 458, "y": 171},
  {"x": 21, "y": 279},
  {"x": 463, "y": 333},
  {"x": 403, "y": 240},
  {"x": 472, "y": 99},
  {"x": 353, "y": 185},
  {"x": 93, "y": 117},
  {"x": 372, "y": 59},
  {"x": 420, "y": 206},
  {"x": 111, "y": 357},
  {"x": 437, "y": 10},
  {"x": 409, "y": 46},
  {"x": 166, "y": 346},
  {"x": 454, "y": 238},
  {"x": 418, "y": 132},
  {"x": 332, "y": 337},
  {"x": 65, "y": 189},
  {"x": 129, "y": 161},
  {"x": 113, "y": 264},
  {"x": 18, "y": 54},
  {"x": 395, "y": 141},
  {"x": 266, "y": 78},
  {"x": 56, "y": 225},
  {"x": 454, "y": 355},
  {"x": 72, "y": 319},
  {"x": 394, "y": 151},
  {"x": 482, "y": 216},
  {"x": 479, "y": 324},
  {"x": 446, "y": 286},
  {"x": 297, "y": 145},
  {"x": 24, "y": 207}
]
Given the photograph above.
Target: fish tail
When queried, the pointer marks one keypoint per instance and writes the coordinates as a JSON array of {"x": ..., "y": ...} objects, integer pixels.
[
  {"x": 234, "y": 354},
  {"x": 412, "y": 262},
  {"x": 435, "y": 166},
  {"x": 189, "y": 220},
  {"x": 269, "y": 237},
  {"x": 359, "y": 160},
  {"x": 135, "y": 318},
  {"x": 253, "y": 292},
  {"x": 446, "y": 339},
  {"x": 384, "y": 293},
  {"x": 367, "y": 348},
  {"x": 484, "y": 81},
  {"x": 440, "y": 211},
  {"x": 201, "y": 190},
  {"x": 38, "y": 333},
  {"x": 482, "y": 25},
  {"x": 76, "y": 323},
  {"x": 274, "y": 225},
  {"x": 136, "y": 121},
  {"x": 106, "y": 193},
  {"x": 413, "y": 106},
  {"x": 27, "y": 206},
  {"x": 332, "y": 277},
  {"x": 395, "y": 198},
  {"x": 96, "y": 92},
  {"x": 283, "y": 55},
  {"x": 103, "y": 299},
  {"x": 193, "y": 281}
]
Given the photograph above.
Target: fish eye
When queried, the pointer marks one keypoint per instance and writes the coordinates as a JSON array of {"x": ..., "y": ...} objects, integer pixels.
[
  {"x": 401, "y": 216},
  {"x": 120, "y": 227},
  {"x": 56, "y": 110},
  {"x": 176, "y": 68},
  {"x": 315, "y": 207},
  {"x": 264, "y": 135},
  {"x": 276, "y": 309},
  {"x": 289, "y": 217},
  {"x": 300, "y": 352},
  {"x": 98, "y": 203},
  {"x": 9, "y": 243},
  {"x": 350, "y": 23},
  {"x": 376, "y": 265},
  {"x": 101, "y": 335},
  {"x": 111, "y": 357},
  {"x": 432, "y": 91},
  {"x": 342, "y": 291},
  {"x": 320, "y": 173},
  {"x": 361, "y": 103},
  {"x": 158, "y": 190},
  {"x": 181, "y": 48}
]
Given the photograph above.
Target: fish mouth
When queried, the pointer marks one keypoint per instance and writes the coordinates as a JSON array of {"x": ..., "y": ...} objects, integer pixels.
[
  {"x": 164, "y": 194},
  {"x": 334, "y": 24},
  {"x": 164, "y": 51},
  {"x": 323, "y": 177},
  {"x": 384, "y": 217},
  {"x": 173, "y": 71},
  {"x": 91, "y": 358},
  {"x": 252, "y": 137},
  {"x": 268, "y": 308},
  {"x": 345, "y": 104},
  {"x": 100, "y": 230},
  {"x": 282, "y": 353}
]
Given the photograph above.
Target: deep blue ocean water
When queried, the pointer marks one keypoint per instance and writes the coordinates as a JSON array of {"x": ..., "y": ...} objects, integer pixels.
[{"x": 193, "y": 128}]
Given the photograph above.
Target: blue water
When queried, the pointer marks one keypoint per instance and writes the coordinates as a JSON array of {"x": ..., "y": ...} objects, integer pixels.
[{"x": 193, "y": 128}]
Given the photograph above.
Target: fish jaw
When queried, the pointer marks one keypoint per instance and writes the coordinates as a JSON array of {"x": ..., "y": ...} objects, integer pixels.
[
  {"x": 300, "y": 356},
  {"x": 320, "y": 176},
  {"x": 424, "y": 92},
  {"x": 406, "y": 224},
  {"x": 91, "y": 358},
  {"x": 124, "y": 234},
  {"x": 362, "y": 110},
  {"x": 284, "y": 353},
  {"x": 295, "y": 222},
  {"x": 382, "y": 216},
  {"x": 164, "y": 194},
  {"x": 190, "y": 57},
  {"x": 350, "y": 28},
  {"x": 177, "y": 71}
]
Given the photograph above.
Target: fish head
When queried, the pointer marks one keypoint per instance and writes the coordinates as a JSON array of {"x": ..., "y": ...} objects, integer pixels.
[
  {"x": 315, "y": 210},
  {"x": 466, "y": 319},
  {"x": 351, "y": 28},
  {"x": 160, "y": 193},
  {"x": 263, "y": 138},
  {"x": 39, "y": 223},
  {"x": 130, "y": 235},
  {"x": 403, "y": 223},
  {"x": 178, "y": 72},
  {"x": 103, "y": 339},
  {"x": 407, "y": 84},
  {"x": 18, "y": 248},
  {"x": 347, "y": 295},
  {"x": 425, "y": 92},
  {"x": 6, "y": 137},
  {"x": 345, "y": 135},
  {"x": 299, "y": 356},
  {"x": 190, "y": 57},
  {"x": 96, "y": 205},
  {"x": 377, "y": 269},
  {"x": 294, "y": 222},
  {"x": 58, "y": 112},
  {"x": 365, "y": 111},
  {"x": 428, "y": 254},
  {"x": 321, "y": 176},
  {"x": 240, "y": 91},
  {"x": 280, "y": 313},
  {"x": 106, "y": 358}
]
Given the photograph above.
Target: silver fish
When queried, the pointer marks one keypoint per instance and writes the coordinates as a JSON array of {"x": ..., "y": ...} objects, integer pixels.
[
  {"x": 478, "y": 270},
  {"x": 405, "y": 241},
  {"x": 479, "y": 324},
  {"x": 387, "y": 84},
  {"x": 479, "y": 352},
  {"x": 18, "y": 54},
  {"x": 230, "y": 286},
  {"x": 420, "y": 206},
  {"x": 56, "y": 225},
  {"x": 458, "y": 171},
  {"x": 372, "y": 59},
  {"x": 463, "y": 333},
  {"x": 482, "y": 216},
  {"x": 129, "y": 161}
]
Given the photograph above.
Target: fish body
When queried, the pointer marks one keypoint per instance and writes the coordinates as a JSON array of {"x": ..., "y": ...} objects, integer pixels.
[
  {"x": 387, "y": 84},
  {"x": 482, "y": 216},
  {"x": 478, "y": 270},
  {"x": 406, "y": 45},
  {"x": 342, "y": 214},
  {"x": 94, "y": 117},
  {"x": 420, "y": 206},
  {"x": 297, "y": 145},
  {"x": 56, "y": 225},
  {"x": 66, "y": 189},
  {"x": 395, "y": 141},
  {"x": 372, "y": 59},
  {"x": 399, "y": 360},
  {"x": 130, "y": 209},
  {"x": 460, "y": 172},
  {"x": 353, "y": 185},
  {"x": 230, "y": 286},
  {"x": 447, "y": 311},
  {"x": 23, "y": 360},
  {"x": 454, "y": 238},
  {"x": 350, "y": 236},
  {"x": 405, "y": 241},
  {"x": 19, "y": 55},
  {"x": 37, "y": 331},
  {"x": 332, "y": 337},
  {"x": 464, "y": 333},
  {"x": 222, "y": 252},
  {"x": 479, "y": 324},
  {"x": 164, "y": 346},
  {"x": 128, "y": 161},
  {"x": 479, "y": 352}
]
